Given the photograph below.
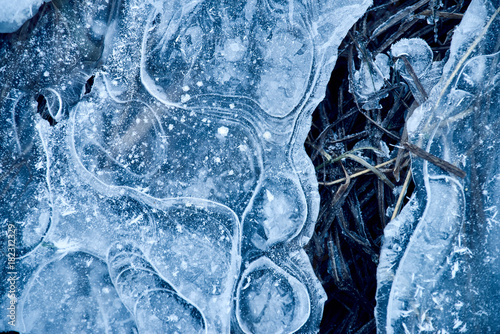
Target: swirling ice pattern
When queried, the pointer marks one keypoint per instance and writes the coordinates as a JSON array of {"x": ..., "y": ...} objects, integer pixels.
[{"x": 175, "y": 196}]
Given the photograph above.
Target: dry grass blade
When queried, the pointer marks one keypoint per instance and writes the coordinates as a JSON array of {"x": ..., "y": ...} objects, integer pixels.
[
  {"x": 445, "y": 15},
  {"x": 330, "y": 159},
  {"x": 395, "y": 19},
  {"x": 387, "y": 132},
  {"x": 371, "y": 168},
  {"x": 402, "y": 194},
  {"x": 435, "y": 160},
  {"x": 342, "y": 189},
  {"x": 414, "y": 76},
  {"x": 401, "y": 32},
  {"x": 363, "y": 172},
  {"x": 339, "y": 194},
  {"x": 340, "y": 269}
]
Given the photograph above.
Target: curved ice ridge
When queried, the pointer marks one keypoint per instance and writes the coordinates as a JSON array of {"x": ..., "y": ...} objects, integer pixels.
[
  {"x": 439, "y": 265},
  {"x": 169, "y": 192}
]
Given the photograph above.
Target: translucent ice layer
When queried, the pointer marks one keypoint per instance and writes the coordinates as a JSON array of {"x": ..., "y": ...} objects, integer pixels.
[
  {"x": 14, "y": 13},
  {"x": 369, "y": 80},
  {"x": 153, "y": 169},
  {"x": 439, "y": 266}
]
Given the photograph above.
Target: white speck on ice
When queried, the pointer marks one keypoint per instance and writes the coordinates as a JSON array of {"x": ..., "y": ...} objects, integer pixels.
[
  {"x": 136, "y": 219},
  {"x": 269, "y": 196},
  {"x": 68, "y": 212},
  {"x": 185, "y": 98},
  {"x": 223, "y": 131},
  {"x": 457, "y": 323},
  {"x": 267, "y": 135},
  {"x": 454, "y": 270},
  {"x": 39, "y": 165},
  {"x": 173, "y": 318},
  {"x": 234, "y": 50}
]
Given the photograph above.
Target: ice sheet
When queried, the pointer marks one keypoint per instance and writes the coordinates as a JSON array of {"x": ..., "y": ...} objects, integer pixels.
[
  {"x": 153, "y": 150},
  {"x": 13, "y": 14},
  {"x": 440, "y": 260}
]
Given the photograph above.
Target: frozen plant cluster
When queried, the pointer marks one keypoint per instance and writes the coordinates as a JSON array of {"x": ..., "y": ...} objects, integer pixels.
[
  {"x": 439, "y": 265},
  {"x": 152, "y": 164}
]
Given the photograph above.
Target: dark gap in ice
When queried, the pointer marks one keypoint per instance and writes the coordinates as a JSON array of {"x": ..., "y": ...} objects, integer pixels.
[
  {"x": 89, "y": 84},
  {"x": 157, "y": 20},
  {"x": 43, "y": 110}
]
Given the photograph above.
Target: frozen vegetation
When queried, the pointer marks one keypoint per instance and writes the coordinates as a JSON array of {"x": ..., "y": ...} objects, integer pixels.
[
  {"x": 152, "y": 164},
  {"x": 439, "y": 266}
]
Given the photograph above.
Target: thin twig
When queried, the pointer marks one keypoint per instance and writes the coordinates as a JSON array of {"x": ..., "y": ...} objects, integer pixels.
[
  {"x": 387, "y": 132},
  {"x": 402, "y": 195},
  {"x": 374, "y": 170},
  {"x": 398, "y": 17},
  {"x": 330, "y": 159},
  {"x": 361, "y": 134},
  {"x": 397, "y": 35},
  {"x": 446, "y": 15},
  {"x": 414, "y": 76},
  {"x": 365, "y": 171},
  {"x": 435, "y": 160},
  {"x": 325, "y": 131}
]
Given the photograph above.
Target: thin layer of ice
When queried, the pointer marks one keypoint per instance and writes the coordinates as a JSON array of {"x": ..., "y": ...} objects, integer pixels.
[
  {"x": 440, "y": 259},
  {"x": 269, "y": 300},
  {"x": 369, "y": 80},
  {"x": 160, "y": 144},
  {"x": 88, "y": 301},
  {"x": 419, "y": 55},
  {"x": 155, "y": 304},
  {"x": 13, "y": 14}
]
